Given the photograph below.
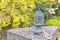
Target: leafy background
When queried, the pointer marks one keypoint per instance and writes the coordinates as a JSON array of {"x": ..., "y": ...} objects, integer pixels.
[{"x": 14, "y": 14}]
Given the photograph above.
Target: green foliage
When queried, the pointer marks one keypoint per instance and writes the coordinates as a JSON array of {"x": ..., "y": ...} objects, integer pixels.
[
  {"x": 14, "y": 13},
  {"x": 58, "y": 38},
  {"x": 53, "y": 22},
  {"x": 56, "y": 17},
  {"x": 57, "y": 9}
]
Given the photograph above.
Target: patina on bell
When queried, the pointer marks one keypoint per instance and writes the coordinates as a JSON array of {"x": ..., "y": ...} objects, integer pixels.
[{"x": 38, "y": 21}]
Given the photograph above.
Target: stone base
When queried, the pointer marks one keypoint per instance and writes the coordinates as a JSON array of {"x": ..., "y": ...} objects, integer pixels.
[{"x": 26, "y": 34}]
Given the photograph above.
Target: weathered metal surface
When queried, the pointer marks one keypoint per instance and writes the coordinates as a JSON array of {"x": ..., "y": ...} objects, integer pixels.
[{"x": 39, "y": 18}]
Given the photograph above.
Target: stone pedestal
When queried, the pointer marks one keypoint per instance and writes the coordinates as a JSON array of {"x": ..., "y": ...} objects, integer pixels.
[{"x": 26, "y": 34}]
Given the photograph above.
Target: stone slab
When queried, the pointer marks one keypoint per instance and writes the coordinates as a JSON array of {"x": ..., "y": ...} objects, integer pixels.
[{"x": 26, "y": 34}]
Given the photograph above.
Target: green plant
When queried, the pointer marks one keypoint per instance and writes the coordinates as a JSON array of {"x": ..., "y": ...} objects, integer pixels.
[
  {"x": 55, "y": 21},
  {"x": 58, "y": 38},
  {"x": 56, "y": 17},
  {"x": 14, "y": 13},
  {"x": 57, "y": 8}
]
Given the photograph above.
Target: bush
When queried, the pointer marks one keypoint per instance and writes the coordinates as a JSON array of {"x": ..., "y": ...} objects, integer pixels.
[
  {"x": 56, "y": 17},
  {"x": 14, "y": 13},
  {"x": 55, "y": 21}
]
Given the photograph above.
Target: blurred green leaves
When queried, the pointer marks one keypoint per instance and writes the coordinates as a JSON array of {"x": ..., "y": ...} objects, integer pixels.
[{"x": 54, "y": 21}]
